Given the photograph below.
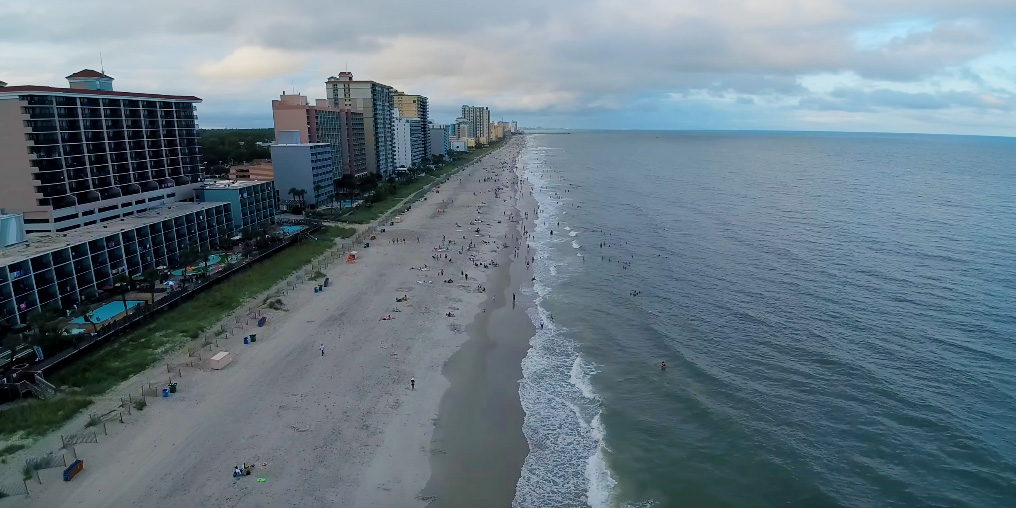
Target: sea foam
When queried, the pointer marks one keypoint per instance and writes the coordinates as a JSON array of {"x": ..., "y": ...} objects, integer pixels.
[{"x": 565, "y": 464}]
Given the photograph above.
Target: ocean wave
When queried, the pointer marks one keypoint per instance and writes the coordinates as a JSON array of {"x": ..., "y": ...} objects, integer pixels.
[
  {"x": 579, "y": 376},
  {"x": 565, "y": 465},
  {"x": 601, "y": 484}
]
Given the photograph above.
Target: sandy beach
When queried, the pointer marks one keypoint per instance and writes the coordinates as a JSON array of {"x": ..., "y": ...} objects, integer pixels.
[{"x": 346, "y": 428}]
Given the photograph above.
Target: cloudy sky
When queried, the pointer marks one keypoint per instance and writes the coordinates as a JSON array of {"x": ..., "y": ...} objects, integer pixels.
[{"x": 938, "y": 66}]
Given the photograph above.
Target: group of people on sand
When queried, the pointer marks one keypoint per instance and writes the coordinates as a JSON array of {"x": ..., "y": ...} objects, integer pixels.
[{"x": 245, "y": 470}]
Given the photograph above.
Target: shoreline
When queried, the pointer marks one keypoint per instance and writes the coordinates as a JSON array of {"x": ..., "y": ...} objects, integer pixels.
[{"x": 479, "y": 448}]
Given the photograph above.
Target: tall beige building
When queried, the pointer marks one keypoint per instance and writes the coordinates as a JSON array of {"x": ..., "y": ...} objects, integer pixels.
[
  {"x": 418, "y": 107},
  {"x": 479, "y": 122},
  {"x": 377, "y": 103}
]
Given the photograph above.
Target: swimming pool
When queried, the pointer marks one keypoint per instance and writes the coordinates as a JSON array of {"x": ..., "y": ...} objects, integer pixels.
[
  {"x": 199, "y": 266},
  {"x": 107, "y": 311},
  {"x": 291, "y": 230}
]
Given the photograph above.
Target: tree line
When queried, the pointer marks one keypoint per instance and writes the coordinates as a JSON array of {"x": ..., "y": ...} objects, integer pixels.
[{"x": 221, "y": 148}]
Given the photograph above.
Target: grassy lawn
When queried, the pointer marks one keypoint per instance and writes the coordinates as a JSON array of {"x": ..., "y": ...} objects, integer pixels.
[
  {"x": 366, "y": 213},
  {"x": 109, "y": 366}
]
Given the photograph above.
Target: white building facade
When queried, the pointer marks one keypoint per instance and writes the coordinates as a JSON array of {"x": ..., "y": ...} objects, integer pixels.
[
  {"x": 403, "y": 141},
  {"x": 306, "y": 167}
]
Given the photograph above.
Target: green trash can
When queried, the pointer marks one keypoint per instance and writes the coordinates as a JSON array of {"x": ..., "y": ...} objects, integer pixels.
[
  {"x": 253, "y": 337},
  {"x": 172, "y": 387}
]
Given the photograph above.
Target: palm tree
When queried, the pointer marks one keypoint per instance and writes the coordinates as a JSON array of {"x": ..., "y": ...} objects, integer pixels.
[
  {"x": 205, "y": 254},
  {"x": 86, "y": 309},
  {"x": 187, "y": 257},
  {"x": 151, "y": 278},
  {"x": 346, "y": 184},
  {"x": 43, "y": 328},
  {"x": 123, "y": 284}
]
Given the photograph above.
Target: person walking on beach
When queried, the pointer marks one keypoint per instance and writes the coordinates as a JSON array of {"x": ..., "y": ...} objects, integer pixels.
[
  {"x": 412, "y": 383},
  {"x": 322, "y": 348}
]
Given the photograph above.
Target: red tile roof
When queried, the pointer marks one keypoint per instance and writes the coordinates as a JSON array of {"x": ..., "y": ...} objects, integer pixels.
[
  {"x": 88, "y": 73},
  {"x": 81, "y": 91}
]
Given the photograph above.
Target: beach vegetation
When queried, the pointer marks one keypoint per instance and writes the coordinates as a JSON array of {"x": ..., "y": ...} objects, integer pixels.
[
  {"x": 93, "y": 420},
  {"x": 11, "y": 449},
  {"x": 33, "y": 418},
  {"x": 109, "y": 366},
  {"x": 222, "y": 147},
  {"x": 386, "y": 196}
]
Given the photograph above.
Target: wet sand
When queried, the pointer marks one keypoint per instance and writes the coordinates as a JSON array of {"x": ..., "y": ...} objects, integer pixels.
[{"x": 479, "y": 447}]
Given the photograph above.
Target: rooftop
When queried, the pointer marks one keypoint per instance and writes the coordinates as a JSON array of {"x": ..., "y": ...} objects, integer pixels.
[
  {"x": 88, "y": 73},
  {"x": 230, "y": 184},
  {"x": 300, "y": 144},
  {"x": 41, "y": 243},
  {"x": 13, "y": 91}
]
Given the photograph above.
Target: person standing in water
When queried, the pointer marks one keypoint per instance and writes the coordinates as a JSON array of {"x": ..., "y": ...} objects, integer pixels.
[{"x": 412, "y": 383}]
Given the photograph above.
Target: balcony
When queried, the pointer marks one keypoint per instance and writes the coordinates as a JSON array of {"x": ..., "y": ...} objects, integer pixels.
[
  {"x": 40, "y": 112},
  {"x": 44, "y": 152},
  {"x": 76, "y": 161},
  {"x": 42, "y": 125},
  {"x": 37, "y": 100}
]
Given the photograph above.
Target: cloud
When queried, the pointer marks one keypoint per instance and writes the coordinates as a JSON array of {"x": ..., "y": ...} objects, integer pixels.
[
  {"x": 562, "y": 59},
  {"x": 249, "y": 62},
  {"x": 852, "y": 100}
]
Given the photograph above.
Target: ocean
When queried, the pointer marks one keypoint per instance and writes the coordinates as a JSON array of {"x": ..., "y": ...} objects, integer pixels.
[{"x": 837, "y": 313}]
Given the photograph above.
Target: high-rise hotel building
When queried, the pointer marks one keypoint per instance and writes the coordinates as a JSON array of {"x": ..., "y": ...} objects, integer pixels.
[
  {"x": 377, "y": 103},
  {"x": 342, "y": 129},
  {"x": 86, "y": 154},
  {"x": 82, "y": 170},
  {"x": 418, "y": 107},
  {"x": 479, "y": 122}
]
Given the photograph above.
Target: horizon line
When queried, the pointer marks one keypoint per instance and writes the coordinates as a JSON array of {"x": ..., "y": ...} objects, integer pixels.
[{"x": 760, "y": 131}]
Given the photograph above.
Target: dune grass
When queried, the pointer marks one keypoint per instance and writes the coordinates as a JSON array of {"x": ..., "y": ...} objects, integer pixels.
[
  {"x": 33, "y": 418},
  {"x": 11, "y": 449}
]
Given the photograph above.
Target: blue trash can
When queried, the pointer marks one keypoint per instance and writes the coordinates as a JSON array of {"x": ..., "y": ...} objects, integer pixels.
[
  {"x": 315, "y": 289},
  {"x": 246, "y": 340},
  {"x": 165, "y": 392}
]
